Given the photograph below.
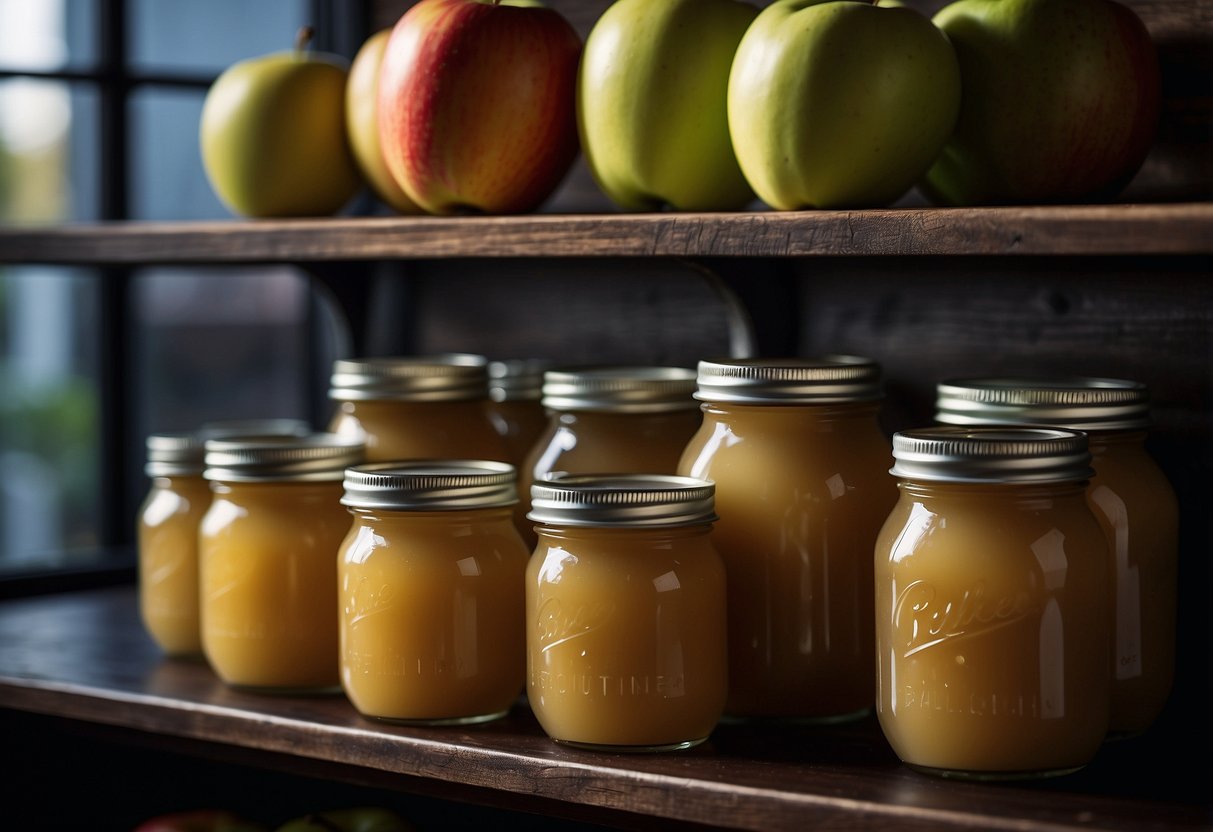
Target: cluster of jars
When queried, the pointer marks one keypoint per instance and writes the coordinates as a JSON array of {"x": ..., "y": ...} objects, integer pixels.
[{"x": 645, "y": 551}]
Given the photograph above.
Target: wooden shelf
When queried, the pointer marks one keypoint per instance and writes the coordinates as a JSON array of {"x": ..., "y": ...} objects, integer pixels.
[
  {"x": 84, "y": 657},
  {"x": 1154, "y": 229}
]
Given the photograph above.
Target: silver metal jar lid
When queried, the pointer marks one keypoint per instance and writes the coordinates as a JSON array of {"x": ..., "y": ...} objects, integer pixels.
[
  {"x": 177, "y": 454},
  {"x": 620, "y": 389},
  {"x": 1078, "y": 403},
  {"x": 431, "y": 485},
  {"x": 429, "y": 378},
  {"x": 818, "y": 380},
  {"x": 312, "y": 458},
  {"x": 517, "y": 379},
  {"x": 622, "y": 500},
  {"x": 991, "y": 454}
]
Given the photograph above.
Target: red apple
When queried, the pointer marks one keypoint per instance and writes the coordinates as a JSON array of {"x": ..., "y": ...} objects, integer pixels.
[
  {"x": 200, "y": 820},
  {"x": 477, "y": 105}
]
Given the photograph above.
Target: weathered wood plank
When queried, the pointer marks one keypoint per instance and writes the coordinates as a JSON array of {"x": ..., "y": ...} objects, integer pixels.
[{"x": 1185, "y": 228}]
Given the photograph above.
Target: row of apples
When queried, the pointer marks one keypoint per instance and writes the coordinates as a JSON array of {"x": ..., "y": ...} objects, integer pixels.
[{"x": 471, "y": 106}]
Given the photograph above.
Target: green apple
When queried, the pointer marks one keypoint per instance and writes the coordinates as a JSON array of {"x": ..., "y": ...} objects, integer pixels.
[
  {"x": 1061, "y": 101},
  {"x": 362, "y": 123},
  {"x": 840, "y": 103},
  {"x": 360, "y": 819},
  {"x": 273, "y": 135},
  {"x": 651, "y": 104}
]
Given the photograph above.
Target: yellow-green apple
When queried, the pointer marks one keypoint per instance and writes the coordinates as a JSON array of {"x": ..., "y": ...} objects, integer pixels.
[
  {"x": 200, "y": 820},
  {"x": 477, "y": 105},
  {"x": 359, "y": 819},
  {"x": 362, "y": 123},
  {"x": 840, "y": 103},
  {"x": 273, "y": 137},
  {"x": 1060, "y": 102},
  {"x": 651, "y": 104}
]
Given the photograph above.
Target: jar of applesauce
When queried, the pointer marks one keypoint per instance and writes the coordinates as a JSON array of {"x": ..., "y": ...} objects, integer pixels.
[
  {"x": 993, "y": 629},
  {"x": 610, "y": 420},
  {"x": 431, "y": 583},
  {"x": 802, "y": 488},
  {"x": 1133, "y": 501},
  {"x": 268, "y": 560},
  {"x": 515, "y": 404},
  {"x": 168, "y": 542},
  {"x": 417, "y": 407},
  {"x": 625, "y": 612}
]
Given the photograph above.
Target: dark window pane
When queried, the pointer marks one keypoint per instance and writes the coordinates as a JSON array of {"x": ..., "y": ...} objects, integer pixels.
[
  {"x": 167, "y": 179},
  {"x": 49, "y": 430},
  {"x": 206, "y": 36}
]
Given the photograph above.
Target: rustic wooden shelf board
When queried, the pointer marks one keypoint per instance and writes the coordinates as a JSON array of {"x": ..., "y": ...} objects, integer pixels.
[
  {"x": 1182, "y": 228},
  {"x": 84, "y": 657}
]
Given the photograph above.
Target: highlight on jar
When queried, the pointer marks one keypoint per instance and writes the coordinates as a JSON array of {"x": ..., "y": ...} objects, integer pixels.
[
  {"x": 625, "y": 612},
  {"x": 993, "y": 622}
]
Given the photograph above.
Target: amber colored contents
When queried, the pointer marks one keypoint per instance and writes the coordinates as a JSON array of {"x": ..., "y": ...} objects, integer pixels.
[
  {"x": 599, "y": 442},
  {"x": 520, "y": 422},
  {"x": 802, "y": 491},
  {"x": 168, "y": 561},
  {"x": 993, "y": 630},
  {"x": 431, "y": 614},
  {"x": 268, "y": 567},
  {"x": 626, "y": 636},
  {"x": 398, "y": 430},
  {"x": 1139, "y": 513}
]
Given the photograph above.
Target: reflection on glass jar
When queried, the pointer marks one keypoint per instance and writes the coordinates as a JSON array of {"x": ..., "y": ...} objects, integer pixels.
[
  {"x": 802, "y": 488},
  {"x": 430, "y": 581},
  {"x": 625, "y": 612},
  {"x": 993, "y": 631},
  {"x": 1135, "y": 505},
  {"x": 267, "y": 555}
]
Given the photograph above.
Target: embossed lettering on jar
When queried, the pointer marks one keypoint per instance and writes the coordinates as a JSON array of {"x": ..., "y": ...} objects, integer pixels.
[
  {"x": 431, "y": 591},
  {"x": 625, "y": 612},
  {"x": 802, "y": 488},
  {"x": 267, "y": 560},
  {"x": 1133, "y": 500},
  {"x": 993, "y": 631}
]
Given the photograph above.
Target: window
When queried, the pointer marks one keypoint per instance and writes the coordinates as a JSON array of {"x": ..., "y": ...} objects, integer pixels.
[{"x": 99, "y": 109}]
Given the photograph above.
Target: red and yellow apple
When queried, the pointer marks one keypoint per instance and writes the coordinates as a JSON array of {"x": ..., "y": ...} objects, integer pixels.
[
  {"x": 200, "y": 820},
  {"x": 477, "y": 105},
  {"x": 1060, "y": 101},
  {"x": 272, "y": 135},
  {"x": 362, "y": 123}
]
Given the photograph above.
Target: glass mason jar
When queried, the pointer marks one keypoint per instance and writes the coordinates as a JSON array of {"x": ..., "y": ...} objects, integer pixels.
[
  {"x": 515, "y": 406},
  {"x": 168, "y": 542},
  {"x": 267, "y": 556},
  {"x": 993, "y": 630},
  {"x": 1134, "y": 502},
  {"x": 431, "y": 582},
  {"x": 802, "y": 488},
  {"x": 424, "y": 407},
  {"x": 625, "y": 612},
  {"x": 610, "y": 420}
]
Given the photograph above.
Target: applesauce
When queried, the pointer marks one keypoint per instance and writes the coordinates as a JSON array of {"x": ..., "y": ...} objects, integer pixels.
[
  {"x": 1135, "y": 505},
  {"x": 423, "y": 407},
  {"x": 802, "y": 488},
  {"x": 625, "y": 612},
  {"x": 515, "y": 404},
  {"x": 168, "y": 542},
  {"x": 268, "y": 560},
  {"x": 610, "y": 420},
  {"x": 993, "y": 630},
  {"x": 431, "y": 585}
]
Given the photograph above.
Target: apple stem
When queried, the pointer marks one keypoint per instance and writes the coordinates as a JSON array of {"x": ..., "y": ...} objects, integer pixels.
[{"x": 304, "y": 38}]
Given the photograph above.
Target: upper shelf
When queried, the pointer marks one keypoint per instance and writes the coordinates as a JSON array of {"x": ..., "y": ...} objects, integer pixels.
[{"x": 1127, "y": 229}]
